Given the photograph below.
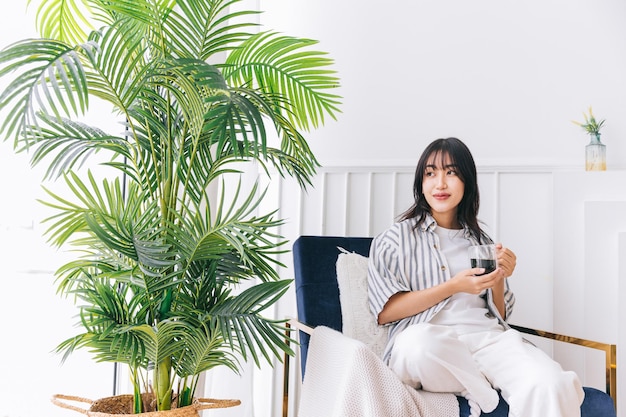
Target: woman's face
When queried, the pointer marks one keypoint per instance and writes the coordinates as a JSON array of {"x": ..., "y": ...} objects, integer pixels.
[{"x": 443, "y": 190}]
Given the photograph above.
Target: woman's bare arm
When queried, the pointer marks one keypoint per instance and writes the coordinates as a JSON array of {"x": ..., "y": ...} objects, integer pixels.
[{"x": 409, "y": 303}]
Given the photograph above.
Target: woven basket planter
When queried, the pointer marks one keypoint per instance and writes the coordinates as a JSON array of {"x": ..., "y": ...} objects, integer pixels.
[{"x": 122, "y": 405}]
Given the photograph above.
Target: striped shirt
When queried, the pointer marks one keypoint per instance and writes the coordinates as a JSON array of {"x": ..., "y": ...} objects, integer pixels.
[{"x": 406, "y": 258}]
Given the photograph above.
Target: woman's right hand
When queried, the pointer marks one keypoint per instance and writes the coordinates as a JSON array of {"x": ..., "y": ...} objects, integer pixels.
[{"x": 470, "y": 281}]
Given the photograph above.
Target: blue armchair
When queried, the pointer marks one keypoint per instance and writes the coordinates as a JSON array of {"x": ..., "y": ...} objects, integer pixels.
[{"x": 318, "y": 304}]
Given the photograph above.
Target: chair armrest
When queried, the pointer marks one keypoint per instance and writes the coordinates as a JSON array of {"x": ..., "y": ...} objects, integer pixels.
[
  {"x": 610, "y": 351},
  {"x": 298, "y": 325},
  {"x": 290, "y": 325}
]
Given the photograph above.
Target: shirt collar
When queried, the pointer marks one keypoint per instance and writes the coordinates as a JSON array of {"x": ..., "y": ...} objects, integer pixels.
[{"x": 430, "y": 223}]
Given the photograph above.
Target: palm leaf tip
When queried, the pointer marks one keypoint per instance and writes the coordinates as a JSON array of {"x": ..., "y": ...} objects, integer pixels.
[{"x": 284, "y": 66}]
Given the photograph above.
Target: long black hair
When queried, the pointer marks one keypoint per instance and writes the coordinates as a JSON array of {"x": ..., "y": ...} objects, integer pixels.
[{"x": 461, "y": 157}]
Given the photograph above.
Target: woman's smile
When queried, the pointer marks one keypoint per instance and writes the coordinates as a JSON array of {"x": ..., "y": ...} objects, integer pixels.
[{"x": 441, "y": 196}]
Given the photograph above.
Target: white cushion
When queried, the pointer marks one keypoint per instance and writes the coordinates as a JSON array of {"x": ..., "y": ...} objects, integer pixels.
[{"x": 358, "y": 321}]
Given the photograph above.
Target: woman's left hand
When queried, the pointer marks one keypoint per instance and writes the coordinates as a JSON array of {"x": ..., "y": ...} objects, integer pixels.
[{"x": 506, "y": 260}]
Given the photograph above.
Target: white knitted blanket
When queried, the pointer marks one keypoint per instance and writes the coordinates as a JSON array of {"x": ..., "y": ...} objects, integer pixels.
[{"x": 344, "y": 378}]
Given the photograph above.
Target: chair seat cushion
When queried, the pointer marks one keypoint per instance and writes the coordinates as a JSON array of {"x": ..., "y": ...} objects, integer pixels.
[{"x": 596, "y": 404}]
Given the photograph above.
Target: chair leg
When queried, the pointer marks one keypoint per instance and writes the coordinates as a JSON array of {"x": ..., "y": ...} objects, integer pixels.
[{"x": 286, "y": 361}]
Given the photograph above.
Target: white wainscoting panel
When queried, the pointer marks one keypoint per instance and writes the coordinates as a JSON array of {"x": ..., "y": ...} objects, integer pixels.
[{"x": 589, "y": 213}]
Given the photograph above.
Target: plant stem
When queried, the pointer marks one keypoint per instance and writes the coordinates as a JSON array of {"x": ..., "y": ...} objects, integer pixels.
[
  {"x": 162, "y": 387},
  {"x": 137, "y": 400}
]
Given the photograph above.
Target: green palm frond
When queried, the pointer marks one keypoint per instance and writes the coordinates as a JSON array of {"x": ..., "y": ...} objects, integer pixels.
[
  {"x": 162, "y": 341},
  {"x": 233, "y": 226},
  {"x": 104, "y": 314},
  {"x": 151, "y": 13},
  {"x": 73, "y": 217},
  {"x": 293, "y": 158},
  {"x": 282, "y": 65},
  {"x": 204, "y": 350},
  {"x": 245, "y": 329},
  {"x": 65, "y": 20},
  {"x": 206, "y": 28},
  {"x": 118, "y": 67},
  {"x": 190, "y": 81},
  {"x": 243, "y": 243},
  {"x": 69, "y": 144},
  {"x": 50, "y": 79},
  {"x": 112, "y": 224}
]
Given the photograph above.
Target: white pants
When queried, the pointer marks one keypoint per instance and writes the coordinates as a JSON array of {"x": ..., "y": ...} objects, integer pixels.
[{"x": 435, "y": 358}]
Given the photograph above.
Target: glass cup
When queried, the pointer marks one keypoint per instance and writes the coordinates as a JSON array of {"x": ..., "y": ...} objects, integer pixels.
[{"x": 483, "y": 256}]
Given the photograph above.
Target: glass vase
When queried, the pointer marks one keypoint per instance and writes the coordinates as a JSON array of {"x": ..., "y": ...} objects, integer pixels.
[{"x": 595, "y": 154}]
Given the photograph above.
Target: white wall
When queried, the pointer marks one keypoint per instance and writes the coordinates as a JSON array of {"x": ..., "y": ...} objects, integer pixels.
[{"x": 505, "y": 76}]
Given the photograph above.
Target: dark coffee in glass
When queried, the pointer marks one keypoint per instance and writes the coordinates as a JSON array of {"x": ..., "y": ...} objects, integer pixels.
[{"x": 483, "y": 256}]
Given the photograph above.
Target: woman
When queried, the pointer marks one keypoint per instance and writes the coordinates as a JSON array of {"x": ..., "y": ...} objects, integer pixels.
[{"x": 448, "y": 330}]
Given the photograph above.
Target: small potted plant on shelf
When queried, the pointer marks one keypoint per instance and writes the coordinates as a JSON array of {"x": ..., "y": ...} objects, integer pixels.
[
  {"x": 198, "y": 89},
  {"x": 595, "y": 151}
]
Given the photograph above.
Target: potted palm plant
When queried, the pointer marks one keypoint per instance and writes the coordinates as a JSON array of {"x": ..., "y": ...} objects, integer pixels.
[{"x": 198, "y": 89}]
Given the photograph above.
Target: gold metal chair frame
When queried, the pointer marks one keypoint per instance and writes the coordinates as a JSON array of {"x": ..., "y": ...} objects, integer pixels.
[{"x": 610, "y": 351}]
